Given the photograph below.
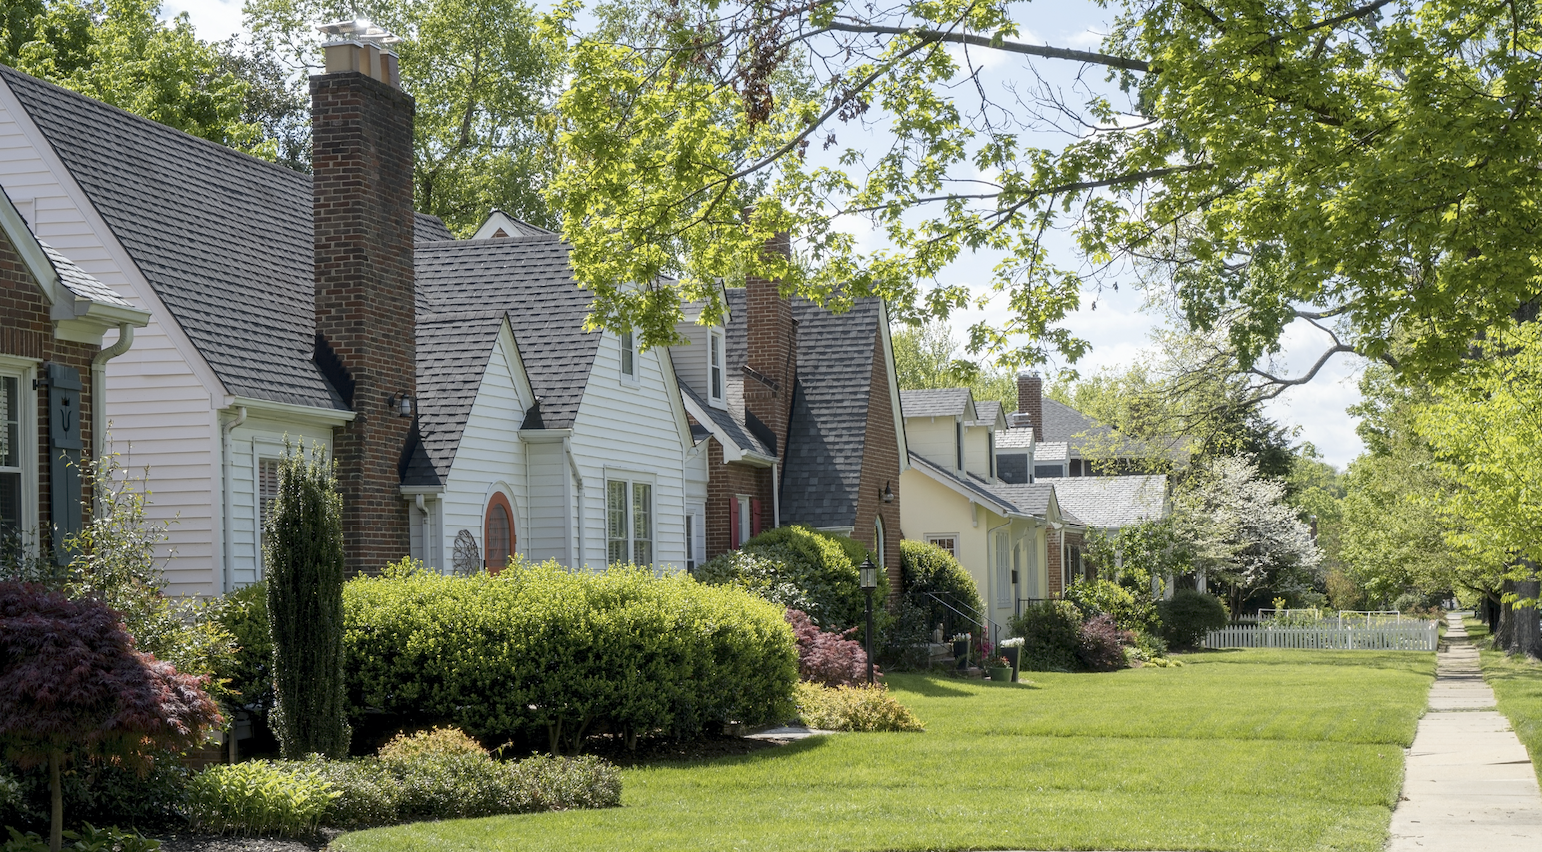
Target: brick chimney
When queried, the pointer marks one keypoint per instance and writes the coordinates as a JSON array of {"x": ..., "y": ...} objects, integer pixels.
[
  {"x": 361, "y": 130},
  {"x": 1030, "y": 404},
  {"x": 771, "y": 357}
]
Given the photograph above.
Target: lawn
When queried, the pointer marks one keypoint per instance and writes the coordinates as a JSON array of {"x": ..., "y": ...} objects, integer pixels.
[
  {"x": 1240, "y": 750},
  {"x": 1517, "y": 687}
]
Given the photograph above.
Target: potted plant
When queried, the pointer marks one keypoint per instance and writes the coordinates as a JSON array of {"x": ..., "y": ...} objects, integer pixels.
[
  {"x": 1000, "y": 669},
  {"x": 1012, "y": 649},
  {"x": 961, "y": 650}
]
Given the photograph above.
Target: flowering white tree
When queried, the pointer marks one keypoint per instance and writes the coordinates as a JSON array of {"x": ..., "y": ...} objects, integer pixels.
[{"x": 1242, "y": 532}]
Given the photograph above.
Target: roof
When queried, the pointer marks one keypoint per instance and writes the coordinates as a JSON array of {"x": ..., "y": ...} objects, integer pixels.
[
  {"x": 79, "y": 282},
  {"x": 1010, "y": 439},
  {"x": 937, "y": 402},
  {"x": 1030, "y": 499},
  {"x": 726, "y": 424},
  {"x": 224, "y": 239},
  {"x": 465, "y": 289},
  {"x": 500, "y": 224},
  {"x": 827, "y": 433},
  {"x": 973, "y": 488},
  {"x": 1054, "y": 451},
  {"x": 1113, "y": 501},
  {"x": 987, "y": 411}
]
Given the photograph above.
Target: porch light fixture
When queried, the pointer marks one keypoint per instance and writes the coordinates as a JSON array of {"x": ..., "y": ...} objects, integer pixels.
[
  {"x": 888, "y": 493},
  {"x": 402, "y": 402},
  {"x": 867, "y": 579}
]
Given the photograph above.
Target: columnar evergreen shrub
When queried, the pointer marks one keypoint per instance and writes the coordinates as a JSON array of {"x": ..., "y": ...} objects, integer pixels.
[
  {"x": 832, "y": 659},
  {"x": 542, "y": 651},
  {"x": 938, "y": 589},
  {"x": 304, "y": 560},
  {"x": 803, "y": 568},
  {"x": 1189, "y": 614}
]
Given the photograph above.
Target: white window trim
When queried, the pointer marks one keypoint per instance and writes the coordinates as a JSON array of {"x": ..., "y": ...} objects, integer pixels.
[
  {"x": 744, "y": 518},
  {"x": 629, "y": 379},
  {"x": 24, "y": 370},
  {"x": 1003, "y": 569},
  {"x": 934, "y": 538},
  {"x": 716, "y": 337},
  {"x": 632, "y": 479}
]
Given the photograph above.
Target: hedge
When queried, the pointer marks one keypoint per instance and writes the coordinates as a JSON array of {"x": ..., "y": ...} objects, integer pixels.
[
  {"x": 804, "y": 569},
  {"x": 931, "y": 573},
  {"x": 542, "y": 650}
]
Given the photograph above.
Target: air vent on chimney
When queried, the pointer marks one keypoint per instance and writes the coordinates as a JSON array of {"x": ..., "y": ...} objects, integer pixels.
[{"x": 363, "y": 47}]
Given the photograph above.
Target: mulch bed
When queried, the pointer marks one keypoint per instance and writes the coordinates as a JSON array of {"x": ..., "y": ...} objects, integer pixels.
[
  {"x": 614, "y": 749},
  {"x": 185, "y": 842}
]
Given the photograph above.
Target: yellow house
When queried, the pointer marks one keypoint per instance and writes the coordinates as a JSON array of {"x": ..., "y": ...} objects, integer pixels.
[{"x": 1002, "y": 533}]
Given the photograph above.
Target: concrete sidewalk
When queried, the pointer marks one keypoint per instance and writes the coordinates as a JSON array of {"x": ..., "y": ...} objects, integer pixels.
[{"x": 1468, "y": 783}]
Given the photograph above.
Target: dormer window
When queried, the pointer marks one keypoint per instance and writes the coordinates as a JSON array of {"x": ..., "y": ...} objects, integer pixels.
[
  {"x": 628, "y": 356},
  {"x": 958, "y": 429},
  {"x": 990, "y": 449},
  {"x": 715, "y": 366}
]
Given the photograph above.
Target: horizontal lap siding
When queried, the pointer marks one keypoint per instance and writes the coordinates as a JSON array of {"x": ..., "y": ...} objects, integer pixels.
[
  {"x": 934, "y": 439},
  {"x": 625, "y": 426},
  {"x": 546, "y": 475},
  {"x": 490, "y": 453},
  {"x": 161, "y": 415},
  {"x": 257, "y": 438}
]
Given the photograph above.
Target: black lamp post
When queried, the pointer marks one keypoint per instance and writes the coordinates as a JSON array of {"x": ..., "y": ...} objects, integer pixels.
[{"x": 868, "y": 580}]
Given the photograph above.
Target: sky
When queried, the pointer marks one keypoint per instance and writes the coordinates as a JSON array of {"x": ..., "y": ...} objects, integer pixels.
[{"x": 1117, "y": 328}]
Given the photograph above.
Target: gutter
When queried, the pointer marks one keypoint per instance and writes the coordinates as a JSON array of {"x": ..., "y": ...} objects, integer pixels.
[
  {"x": 578, "y": 480},
  {"x": 229, "y": 552},
  {"x": 99, "y": 388}
]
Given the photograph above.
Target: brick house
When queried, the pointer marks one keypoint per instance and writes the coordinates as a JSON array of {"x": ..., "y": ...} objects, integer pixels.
[
  {"x": 53, "y": 318},
  {"x": 798, "y": 409}
]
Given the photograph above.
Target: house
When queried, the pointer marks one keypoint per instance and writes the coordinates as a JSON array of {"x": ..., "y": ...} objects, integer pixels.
[
  {"x": 799, "y": 406},
  {"x": 1047, "y": 439},
  {"x": 53, "y": 320},
  {"x": 470, "y": 415},
  {"x": 1009, "y": 537}
]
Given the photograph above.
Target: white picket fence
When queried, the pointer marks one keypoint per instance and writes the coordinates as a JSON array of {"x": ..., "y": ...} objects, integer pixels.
[{"x": 1407, "y": 636}]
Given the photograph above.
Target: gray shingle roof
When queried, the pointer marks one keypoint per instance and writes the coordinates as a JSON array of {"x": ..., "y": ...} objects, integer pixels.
[
  {"x": 980, "y": 491},
  {"x": 1029, "y": 499},
  {"x": 427, "y": 228},
  {"x": 79, "y": 282},
  {"x": 727, "y": 424},
  {"x": 1052, "y": 451},
  {"x": 935, "y": 402},
  {"x": 224, "y": 239},
  {"x": 464, "y": 288},
  {"x": 1022, "y": 438},
  {"x": 987, "y": 411},
  {"x": 821, "y": 476},
  {"x": 1064, "y": 423},
  {"x": 1113, "y": 501}
]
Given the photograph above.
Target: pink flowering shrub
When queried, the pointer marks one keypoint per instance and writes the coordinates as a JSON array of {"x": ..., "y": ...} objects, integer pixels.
[{"x": 828, "y": 658}]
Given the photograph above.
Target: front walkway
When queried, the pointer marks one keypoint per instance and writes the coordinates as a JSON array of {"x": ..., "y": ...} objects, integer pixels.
[{"x": 1468, "y": 783}]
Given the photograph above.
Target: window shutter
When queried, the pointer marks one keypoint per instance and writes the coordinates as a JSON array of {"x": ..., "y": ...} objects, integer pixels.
[
  {"x": 733, "y": 524},
  {"x": 754, "y": 517},
  {"x": 64, "y": 446}
]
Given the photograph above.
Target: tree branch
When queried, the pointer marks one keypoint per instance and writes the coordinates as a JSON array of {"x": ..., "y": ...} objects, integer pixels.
[{"x": 1120, "y": 62}]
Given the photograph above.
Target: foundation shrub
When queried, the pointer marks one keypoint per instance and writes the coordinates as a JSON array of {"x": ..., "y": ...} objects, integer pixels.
[
  {"x": 248, "y": 669},
  {"x": 1189, "y": 614},
  {"x": 541, "y": 651},
  {"x": 860, "y": 708},
  {"x": 1100, "y": 644},
  {"x": 258, "y": 799},
  {"x": 430, "y": 743},
  {"x": 832, "y": 659},
  {"x": 1051, "y": 632},
  {"x": 1101, "y": 596},
  {"x": 803, "y": 568}
]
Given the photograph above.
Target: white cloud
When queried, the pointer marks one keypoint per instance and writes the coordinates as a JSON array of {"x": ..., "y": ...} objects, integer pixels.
[{"x": 214, "y": 20}]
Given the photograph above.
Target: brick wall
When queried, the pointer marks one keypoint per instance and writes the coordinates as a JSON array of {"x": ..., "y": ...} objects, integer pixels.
[
  {"x": 26, "y": 331},
  {"x": 1030, "y": 401},
  {"x": 725, "y": 482},
  {"x": 362, "y": 194},
  {"x": 771, "y": 338},
  {"x": 880, "y": 468}
]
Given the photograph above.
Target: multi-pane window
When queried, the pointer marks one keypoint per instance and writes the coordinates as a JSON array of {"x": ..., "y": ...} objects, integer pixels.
[
  {"x": 715, "y": 366},
  {"x": 946, "y": 542},
  {"x": 628, "y": 522},
  {"x": 10, "y": 463},
  {"x": 628, "y": 356}
]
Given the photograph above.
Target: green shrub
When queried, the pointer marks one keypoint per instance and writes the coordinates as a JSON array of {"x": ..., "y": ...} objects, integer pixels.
[
  {"x": 248, "y": 669},
  {"x": 258, "y": 798},
  {"x": 1189, "y": 614},
  {"x": 540, "y": 650},
  {"x": 853, "y": 708},
  {"x": 1051, "y": 632},
  {"x": 303, "y": 552},
  {"x": 1103, "y": 597},
  {"x": 101, "y": 793},
  {"x": 431, "y": 743},
  {"x": 934, "y": 578},
  {"x": 88, "y": 839},
  {"x": 805, "y": 569},
  {"x": 366, "y": 793}
]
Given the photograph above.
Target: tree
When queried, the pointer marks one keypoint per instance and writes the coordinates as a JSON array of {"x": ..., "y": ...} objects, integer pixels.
[
  {"x": 924, "y": 357},
  {"x": 484, "y": 75},
  {"x": 1366, "y": 167},
  {"x": 1240, "y": 532},
  {"x": 71, "y": 679},
  {"x": 121, "y": 52},
  {"x": 303, "y": 551}
]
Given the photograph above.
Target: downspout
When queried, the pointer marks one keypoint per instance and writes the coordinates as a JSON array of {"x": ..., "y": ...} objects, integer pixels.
[
  {"x": 578, "y": 480},
  {"x": 423, "y": 534},
  {"x": 776, "y": 495},
  {"x": 225, "y": 493},
  {"x": 99, "y": 389}
]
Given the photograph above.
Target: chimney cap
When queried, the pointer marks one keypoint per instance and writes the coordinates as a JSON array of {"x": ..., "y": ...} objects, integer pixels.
[
  {"x": 1028, "y": 374},
  {"x": 360, "y": 31}
]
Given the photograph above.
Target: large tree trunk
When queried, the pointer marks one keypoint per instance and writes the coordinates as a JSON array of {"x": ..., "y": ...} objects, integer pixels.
[
  {"x": 1504, "y": 635},
  {"x": 1528, "y": 634},
  {"x": 56, "y": 802}
]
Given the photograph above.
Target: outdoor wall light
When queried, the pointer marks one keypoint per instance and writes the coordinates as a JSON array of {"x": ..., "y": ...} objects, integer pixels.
[
  {"x": 402, "y": 402},
  {"x": 888, "y": 493}
]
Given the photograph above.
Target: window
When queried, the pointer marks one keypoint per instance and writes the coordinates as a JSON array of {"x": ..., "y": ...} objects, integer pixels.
[
  {"x": 744, "y": 521},
  {"x": 946, "y": 542},
  {"x": 628, "y": 355},
  {"x": 1003, "y": 571},
  {"x": 990, "y": 453},
  {"x": 715, "y": 366},
  {"x": 267, "y": 492},
  {"x": 12, "y": 522},
  {"x": 628, "y": 522},
  {"x": 878, "y": 542},
  {"x": 1013, "y": 468},
  {"x": 498, "y": 533},
  {"x": 958, "y": 434},
  {"x": 690, "y": 542}
]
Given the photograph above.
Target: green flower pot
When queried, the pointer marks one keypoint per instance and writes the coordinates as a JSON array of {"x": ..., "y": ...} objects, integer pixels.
[{"x": 1001, "y": 674}]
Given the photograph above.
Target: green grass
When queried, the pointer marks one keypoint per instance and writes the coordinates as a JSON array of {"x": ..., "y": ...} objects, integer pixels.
[
  {"x": 1244, "y": 750},
  {"x": 1517, "y": 684}
]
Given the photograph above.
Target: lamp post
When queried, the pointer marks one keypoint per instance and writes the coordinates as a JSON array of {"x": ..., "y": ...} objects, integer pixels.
[{"x": 868, "y": 580}]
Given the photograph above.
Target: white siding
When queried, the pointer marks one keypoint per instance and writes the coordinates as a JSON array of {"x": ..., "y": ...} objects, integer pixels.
[
  {"x": 977, "y": 450},
  {"x": 160, "y": 402},
  {"x": 490, "y": 457},
  {"x": 258, "y": 438},
  {"x": 632, "y": 428},
  {"x": 547, "y": 493},
  {"x": 934, "y": 439},
  {"x": 691, "y": 361}
]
